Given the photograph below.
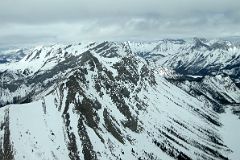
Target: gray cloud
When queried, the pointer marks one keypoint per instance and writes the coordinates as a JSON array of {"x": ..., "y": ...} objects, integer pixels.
[{"x": 29, "y": 21}]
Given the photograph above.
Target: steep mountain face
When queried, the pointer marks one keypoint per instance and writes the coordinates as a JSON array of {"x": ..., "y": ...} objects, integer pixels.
[{"x": 112, "y": 100}]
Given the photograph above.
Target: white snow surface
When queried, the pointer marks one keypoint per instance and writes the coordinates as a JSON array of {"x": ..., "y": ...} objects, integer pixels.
[{"x": 230, "y": 132}]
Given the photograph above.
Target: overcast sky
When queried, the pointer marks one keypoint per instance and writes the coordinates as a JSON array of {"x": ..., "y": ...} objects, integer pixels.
[{"x": 42, "y": 21}]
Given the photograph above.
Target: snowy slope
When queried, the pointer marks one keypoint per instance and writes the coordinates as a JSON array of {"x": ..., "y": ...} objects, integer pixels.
[{"x": 230, "y": 132}]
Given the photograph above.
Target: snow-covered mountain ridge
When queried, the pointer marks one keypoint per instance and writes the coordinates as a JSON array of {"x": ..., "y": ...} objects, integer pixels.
[{"x": 118, "y": 100}]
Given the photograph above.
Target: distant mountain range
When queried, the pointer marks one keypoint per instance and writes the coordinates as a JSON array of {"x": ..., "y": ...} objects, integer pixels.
[{"x": 8, "y": 55}]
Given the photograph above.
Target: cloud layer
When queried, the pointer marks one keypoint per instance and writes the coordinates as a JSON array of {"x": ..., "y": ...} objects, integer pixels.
[{"x": 37, "y": 21}]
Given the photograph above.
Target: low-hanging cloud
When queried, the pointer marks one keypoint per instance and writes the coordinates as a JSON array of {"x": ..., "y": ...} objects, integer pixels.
[{"x": 28, "y": 21}]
